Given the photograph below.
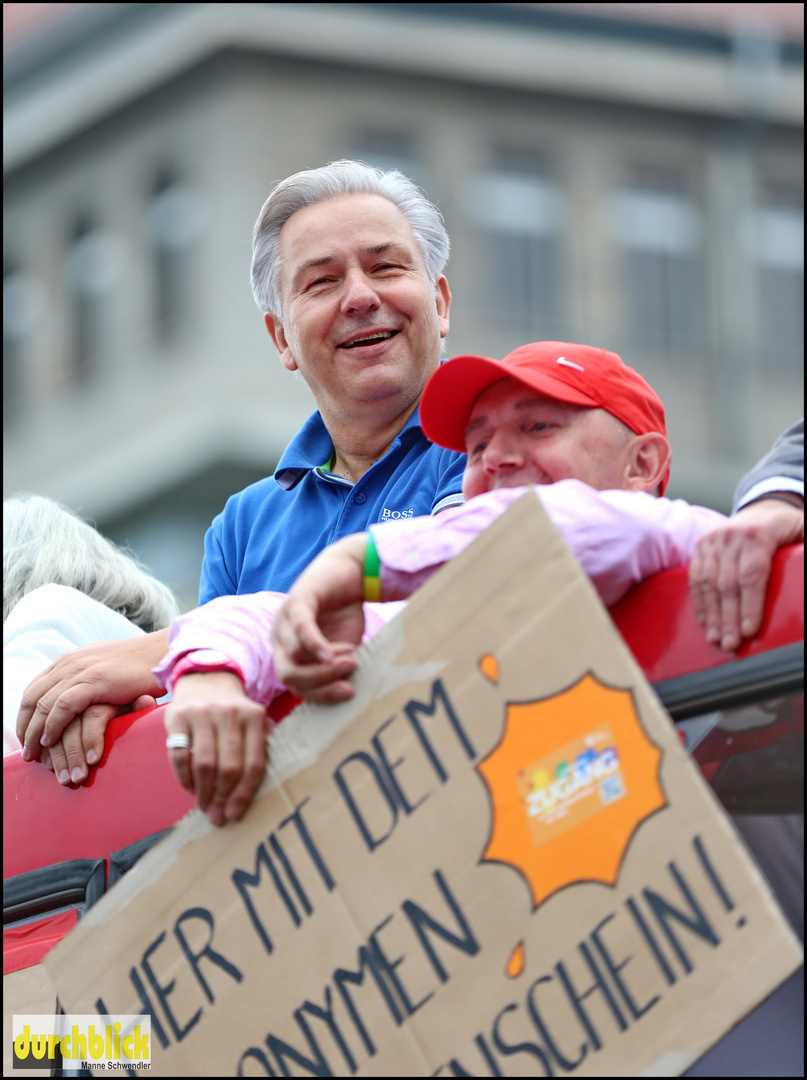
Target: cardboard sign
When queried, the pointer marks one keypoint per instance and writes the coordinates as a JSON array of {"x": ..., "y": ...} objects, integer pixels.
[{"x": 495, "y": 860}]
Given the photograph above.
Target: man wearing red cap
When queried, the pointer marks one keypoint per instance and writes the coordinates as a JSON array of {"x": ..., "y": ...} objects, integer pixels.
[
  {"x": 606, "y": 424},
  {"x": 572, "y": 419}
]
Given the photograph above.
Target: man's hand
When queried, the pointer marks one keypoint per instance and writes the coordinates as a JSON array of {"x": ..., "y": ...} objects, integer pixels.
[
  {"x": 82, "y": 741},
  {"x": 227, "y": 758},
  {"x": 729, "y": 572},
  {"x": 95, "y": 683},
  {"x": 321, "y": 622}
]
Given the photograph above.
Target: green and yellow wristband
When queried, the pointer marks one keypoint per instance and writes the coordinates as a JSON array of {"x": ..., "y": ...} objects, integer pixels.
[{"x": 372, "y": 571}]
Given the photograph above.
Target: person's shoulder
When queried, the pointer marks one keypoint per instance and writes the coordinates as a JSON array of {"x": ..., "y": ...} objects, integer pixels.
[
  {"x": 257, "y": 490},
  {"x": 311, "y": 446},
  {"x": 252, "y": 496},
  {"x": 419, "y": 447},
  {"x": 46, "y": 602},
  {"x": 430, "y": 472},
  {"x": 68, "y": 612}
]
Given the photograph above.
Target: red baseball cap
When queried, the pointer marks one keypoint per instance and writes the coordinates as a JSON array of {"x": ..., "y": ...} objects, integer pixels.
[{"x": 579, "y": 374}]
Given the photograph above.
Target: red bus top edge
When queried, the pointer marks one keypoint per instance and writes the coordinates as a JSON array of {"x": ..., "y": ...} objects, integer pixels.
[{"x": 132, "y": 793}]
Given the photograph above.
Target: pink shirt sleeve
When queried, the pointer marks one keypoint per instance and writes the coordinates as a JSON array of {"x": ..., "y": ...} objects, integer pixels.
[
  {"x": 241, "y": 628},
  {"x": 618, "y": 537}
]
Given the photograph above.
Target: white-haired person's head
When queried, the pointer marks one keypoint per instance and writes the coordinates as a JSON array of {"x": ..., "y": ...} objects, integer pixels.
[
  {"x": 313, "y": 186},
  {"x": 46, "y": 544}
]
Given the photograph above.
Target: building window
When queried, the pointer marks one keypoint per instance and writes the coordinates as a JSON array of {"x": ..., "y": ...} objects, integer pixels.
[
  {"x": 774, "y": 236},
  {"x": 175, "y": 220},
  {"x": 658, "y": 229},
  {"x": 520, "y": 212},
  {"x": 14, "y": 333},
  {"x": 23, "y": 311},
  {"x": 94, "y": 264}
]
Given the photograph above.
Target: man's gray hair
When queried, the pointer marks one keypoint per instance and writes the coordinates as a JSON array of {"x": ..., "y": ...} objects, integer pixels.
[
  {"x": 328, "y": 182},
  {"x": 46, "y": 544}
]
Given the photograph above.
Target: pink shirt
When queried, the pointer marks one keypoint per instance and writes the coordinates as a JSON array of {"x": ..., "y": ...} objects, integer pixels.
[{"x": 618, "y": 537}]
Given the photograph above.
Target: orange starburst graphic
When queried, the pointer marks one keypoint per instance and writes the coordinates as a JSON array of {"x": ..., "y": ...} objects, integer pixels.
[{"x": 572, "y": 778}]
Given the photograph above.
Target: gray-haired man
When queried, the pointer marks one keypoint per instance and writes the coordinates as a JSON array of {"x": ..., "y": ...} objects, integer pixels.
[{"x": 348, "y": 272}]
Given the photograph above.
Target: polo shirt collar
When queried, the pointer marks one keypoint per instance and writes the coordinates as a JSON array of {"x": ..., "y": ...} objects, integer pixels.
[{"x": 312, "y": 447}]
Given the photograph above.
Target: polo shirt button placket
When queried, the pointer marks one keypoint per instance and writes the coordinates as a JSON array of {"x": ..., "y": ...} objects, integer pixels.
[{"x": 360, "y": 498}]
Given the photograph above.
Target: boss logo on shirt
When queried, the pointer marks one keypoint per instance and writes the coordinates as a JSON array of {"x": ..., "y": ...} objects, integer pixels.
[{"x": 396, "y": 515}]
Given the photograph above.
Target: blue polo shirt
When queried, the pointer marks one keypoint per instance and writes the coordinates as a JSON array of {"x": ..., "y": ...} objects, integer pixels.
[{"x": 271, "y": 530}]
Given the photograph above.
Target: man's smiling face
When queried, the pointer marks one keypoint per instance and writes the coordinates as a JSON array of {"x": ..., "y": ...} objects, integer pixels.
[
  {"x": 516, "y": 435},
  {"x": 361, "y": 320}
]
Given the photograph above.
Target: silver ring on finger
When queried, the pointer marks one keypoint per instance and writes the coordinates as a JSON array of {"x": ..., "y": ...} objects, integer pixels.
[{"x": 178, "y": 742}]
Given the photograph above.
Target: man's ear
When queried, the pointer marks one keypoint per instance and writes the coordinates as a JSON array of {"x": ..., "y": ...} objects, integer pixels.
[
  {"x": 443, "y": 299},
  {"x": 278, "y": 336},
  {"x": 649, "y": 458}
]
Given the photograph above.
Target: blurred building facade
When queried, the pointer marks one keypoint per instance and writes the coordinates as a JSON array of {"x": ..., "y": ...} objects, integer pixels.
[{"x": 628, "y": 175}]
